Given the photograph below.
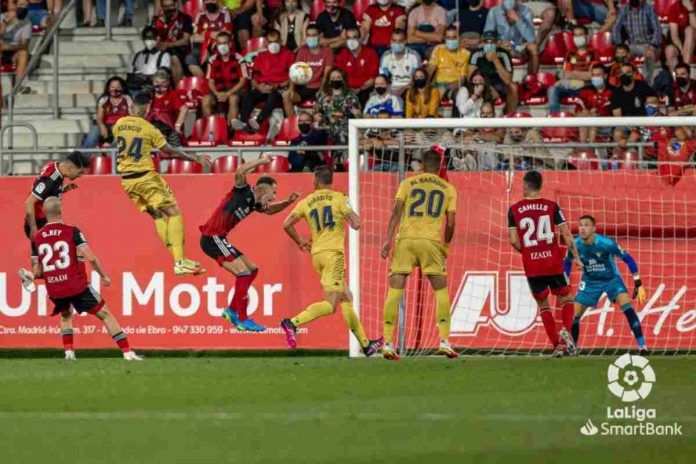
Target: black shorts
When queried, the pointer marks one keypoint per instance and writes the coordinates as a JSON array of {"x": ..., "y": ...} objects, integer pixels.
[
  {"x": 243, "y": 22},
  {"x": 306, "y": 93},
  {"x": 558, "y": 284},
  {"x": 218, "y": 248},
  {"x": 88, "y": 301}
]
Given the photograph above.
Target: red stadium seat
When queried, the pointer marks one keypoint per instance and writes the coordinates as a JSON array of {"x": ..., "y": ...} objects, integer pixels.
[
  {"x": 179, "y": 166},
  {"x": 192, "y": 8},
  {"x": 225, "y": 165},
  {"x": 255, "y": 44},
  {"x": 662, "y": 9},
  {"x": 568, "y": 39},
  {"x": 628, "y": 161},
  {"x": 585, "y": 160},
  {"x": 554, "y": 51},
  {"x": 7, "y": 68},
  {"x": 533, "y": 89},
  {"x": 288, "y": 131},
  {"x": 279, "y": 164},
  {"x": 100, "y": 165},
  {"x": 518, "y": 114},
  {"x": 491, "y": 3},
  {"x": 195, "y": 89},
  {"x": 307, "y": 105},
  {"x": 359, "y": 7},
  {"x": 203, "y": 128},
  {"x": 254, "y": 139},
  {"x": 603, "y": 46},
  {"x": 560, "y": 134}
]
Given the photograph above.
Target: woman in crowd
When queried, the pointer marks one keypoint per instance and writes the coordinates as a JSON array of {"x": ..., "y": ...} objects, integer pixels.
[{"x": 112, "y": 105}]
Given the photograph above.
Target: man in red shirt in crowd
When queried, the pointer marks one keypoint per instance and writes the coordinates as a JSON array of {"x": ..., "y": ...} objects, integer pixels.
[
  {"x": 682, "y": 101},
  {"x": 270, "y": 73},
  {"x": 360, "y": 63},
  {"x": 379, "y": 22},
  {"x": 321, "y": 60},
  {"x": 622, "y": 55},
  {"x": 174, "y": 30},
  {"x": 209, "y": 23},
  {"x": 168, "y": 109},
  {"x": 682, "y": 25},
  {"x": 594, "y": 100},
  {"x": 225, "y": 79}
]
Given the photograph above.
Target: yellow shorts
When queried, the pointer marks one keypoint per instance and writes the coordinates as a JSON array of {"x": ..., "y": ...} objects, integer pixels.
[
  {"x": 331, "y": 266},
  {"x": 411, "y": 252},
  {"x": 149, "y": 192}
]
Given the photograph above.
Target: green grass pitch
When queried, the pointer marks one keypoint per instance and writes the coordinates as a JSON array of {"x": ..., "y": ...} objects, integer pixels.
[{"x": 331, "y": 410}]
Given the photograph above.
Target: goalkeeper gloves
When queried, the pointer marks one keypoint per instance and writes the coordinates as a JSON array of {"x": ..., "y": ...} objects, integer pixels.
[{"x": 639, "y": 292}]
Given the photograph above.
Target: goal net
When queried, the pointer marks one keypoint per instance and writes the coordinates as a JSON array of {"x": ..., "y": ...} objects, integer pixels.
[{"x": 642, "y": 194}]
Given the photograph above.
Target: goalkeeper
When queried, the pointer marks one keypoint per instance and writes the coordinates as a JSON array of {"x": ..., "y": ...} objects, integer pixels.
[{"x": 601, "y": 275}]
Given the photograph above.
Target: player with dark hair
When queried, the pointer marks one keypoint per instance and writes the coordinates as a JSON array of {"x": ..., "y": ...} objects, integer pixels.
[
  {"x": 58, "y": 249},
  {"x": 135, "y": 139},
  {"x": 239, "y": 203},
  {"x": 49, "y": 183},
  {"x": 532, "y": 224},
  {"x": 422, "y": 203},
  {"x": 600, "y": 275},
  {"x": 326, "y": 211}
]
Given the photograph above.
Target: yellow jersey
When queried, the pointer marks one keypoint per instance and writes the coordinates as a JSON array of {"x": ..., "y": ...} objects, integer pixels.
[
  {"x": 135, "y": 139},
  {"x": 426, "y": 198},
  {"x": 325, "y": 211}
]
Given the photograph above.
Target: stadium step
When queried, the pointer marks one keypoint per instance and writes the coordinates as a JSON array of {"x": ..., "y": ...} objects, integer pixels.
[
  {"x": 91, "y": 87},
  {"x": 81, "y": 74},
  {"x": 88, "y": 61},
  {"x": 65, "y": 100},
  {"x": 22, "y": 139},
  {"x": 99, "y": 48}
]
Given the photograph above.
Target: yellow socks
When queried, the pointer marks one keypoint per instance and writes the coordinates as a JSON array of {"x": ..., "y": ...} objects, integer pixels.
[
  {"x": 354, "y": 323},
  {"x": 313, "y": 311},
  {"x": 391, "y": 308},
  {"x": 442, "y": 312},
  {"x": 161, "y": 226},
  {"x": 175, "y": 234}
]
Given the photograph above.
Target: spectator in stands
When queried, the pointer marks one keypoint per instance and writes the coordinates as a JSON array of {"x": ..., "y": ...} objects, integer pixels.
[
  {"x": 399, "y": 62},
  {"x": 628, "y": 99},
  {"x": 664, "y": 79},
  {"x": 643, "y": 34},
  {"x": 336, "y": 104},
  {"x": 321, "y": 59},
  {"x": 306, "y": 160},
  {"x": 473, "y": 95},
  {"x": 168, "y": 109},
  {"x": 242, "y": 12},
  {"x": 621, "y": 55},
  {"x": 595, "y": 100},
  {"x": 360, "y": 63},
  {"x": 332, "y": 24},
  {"x": 576, "y": 70},
  {"x": 382, "y": 145},
  {"x": 173, "y": 29},
  {"x": 559, "y": 14},
  {"x": 38, "y": 12},
  {"x": 513, "y": 22},
  {"x": 682, "y": 24},
  {"x": 524, "y": 158},
  {"x": 383, "y": 100},
  {"x": 87, "y": 9},
  {"x": 495, "y": 65},
  {"x": 426, "y": 26},
  {"x": 379, "y": 22},
  {"x": 449, "y": 64},
  {"x": 128, "y": 9},
  {"x": 208, "y": 24},
  {"x": 487, "y": 158},
  {"x": 15, "y": 32},
  {"x": 472, "y": 16},
  {"x": 682, "y": 99},
  {"x": 291, "y": 21},
  {"x": 147, "y": 61},
  {"x": 603, "y": 14},
  {"x": 270, "y": 77},
  {"x": 226, "y": 81},
  {"x": 113, "y": 104},
  {"x": 422, "y": 99}
]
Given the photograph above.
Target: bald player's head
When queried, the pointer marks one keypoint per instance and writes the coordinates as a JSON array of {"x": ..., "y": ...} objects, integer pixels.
[{"x": 52, "y": 207}]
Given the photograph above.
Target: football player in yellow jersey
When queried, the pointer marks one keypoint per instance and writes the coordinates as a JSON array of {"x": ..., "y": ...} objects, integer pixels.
[
  {"x": 135, "y": 139},
  {"x": 326, "y": 212},
  {"x": 420, "y": 206}
]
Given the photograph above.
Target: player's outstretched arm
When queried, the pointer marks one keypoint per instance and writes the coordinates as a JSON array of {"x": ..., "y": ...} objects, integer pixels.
[
  {"x": 173, "y": 152},
  {"x": 244, "y": 168},
  {"x": 570, "y": 241},
  {"x": 86, "y": 252},
  {"x": 394, "y": 221},
  {"x": 275, "y": 208},
  {"x": 353, "y": 220},
  {"x": 289, "y": 226}
]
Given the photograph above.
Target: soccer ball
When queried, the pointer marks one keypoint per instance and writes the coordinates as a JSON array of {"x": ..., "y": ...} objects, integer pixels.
[{"x": 300, "y": 73}]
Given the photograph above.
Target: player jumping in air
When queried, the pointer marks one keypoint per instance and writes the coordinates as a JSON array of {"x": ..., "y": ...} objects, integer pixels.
[
  {"x": 420, "y": 206},
  {"x": 49, "y": 184},
  {"x": 135, "y": 139},
  {"x": 601, "y": 275},
  {"x": 240, "y": 202},
  {"x": 57, "y": 247},
  {"x": 532, "y": 226},
  {"x": 326, "y": 212}
]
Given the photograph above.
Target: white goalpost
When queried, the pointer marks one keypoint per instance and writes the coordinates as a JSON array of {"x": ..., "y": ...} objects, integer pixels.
[{"x": 647, "y": 205}]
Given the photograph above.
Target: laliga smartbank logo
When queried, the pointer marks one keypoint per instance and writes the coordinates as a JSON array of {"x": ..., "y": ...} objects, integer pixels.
[{"x": 630, "y": 378}]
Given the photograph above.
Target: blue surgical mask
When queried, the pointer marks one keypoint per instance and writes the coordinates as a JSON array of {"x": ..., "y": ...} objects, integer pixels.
[
  {"x": 312, "y": 42},
  {"x": 651, "y": 110},
  {"x": 398, "y": 47},
  {"x": 597, "y": 82},
  {"x": 509, "y": 4},
  {"x": 452, "y": 44},
  {"x": 489, "y": 47}
]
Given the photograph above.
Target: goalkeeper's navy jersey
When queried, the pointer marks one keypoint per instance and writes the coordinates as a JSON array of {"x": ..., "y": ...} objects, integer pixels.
[{"x": 598, "y": 258}]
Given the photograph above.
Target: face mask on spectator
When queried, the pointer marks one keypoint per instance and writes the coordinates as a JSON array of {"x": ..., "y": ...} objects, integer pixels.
[
  {"x": 452, "y": 44},
  {"x": 419, "y": 83},
  {"x": 597, "y": 82},
  {"x": 381, "y": 90},
  {"x": 305, "y": 127},
  {"x": 398, "y": 47},
  {"x": 336, "y": 84},
  {"x": 651, "y": 110},
  {"x": 682, "y": 81},
  {"x": 312, "y": 42},
  {"x": 626, "y": 79},
  {"x": 474, "y": 3},
  {"x": 489, "y": 47},
  {"x": 332, "y": 10},
  {"x": 274, "y": 47},
  {"x": 580, "y": 41},
  {"x": 211, "y": 7},
  {"x": 352, "y": 44},
  {"x": 161, "y": 89},
  {"x": 223, "y": 49},
  {"x": 21, "y": 12},
  {"x": 509, "y": 4},
  {"x": 620, "y": 59},
  {"x": 634, "y": 3},
  {"x": 383, "y": 2},
  {"x": 115, "y": 92},
  {"x": 150, "y": 44}
]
